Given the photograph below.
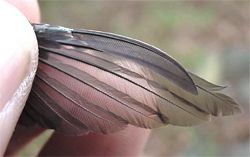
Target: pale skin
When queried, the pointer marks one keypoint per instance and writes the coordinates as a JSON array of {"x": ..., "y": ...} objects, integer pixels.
[{"x": 129, "y": 142}]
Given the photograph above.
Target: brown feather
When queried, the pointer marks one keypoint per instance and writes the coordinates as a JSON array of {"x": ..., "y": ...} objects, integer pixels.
[{"x": 100, "y": 82}]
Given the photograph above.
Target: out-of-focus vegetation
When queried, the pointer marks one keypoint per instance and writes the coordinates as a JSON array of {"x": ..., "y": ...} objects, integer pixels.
[{"x": 209, "y": 38}]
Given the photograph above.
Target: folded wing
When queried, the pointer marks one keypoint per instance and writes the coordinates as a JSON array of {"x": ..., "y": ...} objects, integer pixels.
[{"x": 101, "y": 82}]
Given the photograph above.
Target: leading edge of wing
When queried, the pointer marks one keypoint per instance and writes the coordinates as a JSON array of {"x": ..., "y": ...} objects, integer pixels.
[{"x": 66, "y": 35}]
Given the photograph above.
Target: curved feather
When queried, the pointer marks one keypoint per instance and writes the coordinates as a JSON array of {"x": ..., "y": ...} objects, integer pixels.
[
  {"x": 117, "y": 98},
  {"x": 177, "y": 112},
  {"x": 55, "y": 117},
  {"x": 206, "y": 100},
  {"x": 105, "y": 81},
  {"x": 205, "y": 84},
  {"x": 71, "y": 106},
  {"x": 129, "y": 48}
]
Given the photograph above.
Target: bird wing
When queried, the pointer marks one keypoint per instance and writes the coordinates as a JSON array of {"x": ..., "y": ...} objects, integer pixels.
[{"x": 101, "y": 82}]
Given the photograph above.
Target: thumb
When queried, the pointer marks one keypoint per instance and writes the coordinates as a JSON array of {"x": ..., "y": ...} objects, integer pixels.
[{"x": 18, "y": 62}]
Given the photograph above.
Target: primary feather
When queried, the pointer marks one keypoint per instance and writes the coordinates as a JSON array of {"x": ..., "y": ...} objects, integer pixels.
[{"x": 100, "y": 82}]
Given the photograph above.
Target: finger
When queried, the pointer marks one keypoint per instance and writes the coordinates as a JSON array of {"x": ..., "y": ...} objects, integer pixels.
[
  {"x": 29, "y": 8},
  {"x": 129, "y": 142},
  {"x": 18, "y": 63},
  {"x": 120, "y": 143},
  {"x": 22, "y": 137}
]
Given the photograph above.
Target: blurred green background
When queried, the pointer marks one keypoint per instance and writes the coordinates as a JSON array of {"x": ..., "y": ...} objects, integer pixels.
[{"x": 209, "y": 38}]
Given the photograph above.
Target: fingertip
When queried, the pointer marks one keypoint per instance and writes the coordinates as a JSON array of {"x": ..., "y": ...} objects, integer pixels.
[
  {"x": 18, "y": 62},
  {"x": 29, "y": 8},
  {"x": 128, "y": 142},
  {"x": 19, "y": 50}
]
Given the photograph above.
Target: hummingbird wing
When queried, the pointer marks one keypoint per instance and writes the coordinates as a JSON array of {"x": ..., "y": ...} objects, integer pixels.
[{"x": 101, "y": 82}]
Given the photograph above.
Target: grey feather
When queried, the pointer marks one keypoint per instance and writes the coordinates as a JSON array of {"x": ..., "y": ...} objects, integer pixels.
[{"x": 100, "y": 82}]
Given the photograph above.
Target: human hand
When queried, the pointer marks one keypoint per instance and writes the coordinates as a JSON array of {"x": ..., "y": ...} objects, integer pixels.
[
  {"x": 18, "y": 62},
  {"x": 127, "y": 142}
]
